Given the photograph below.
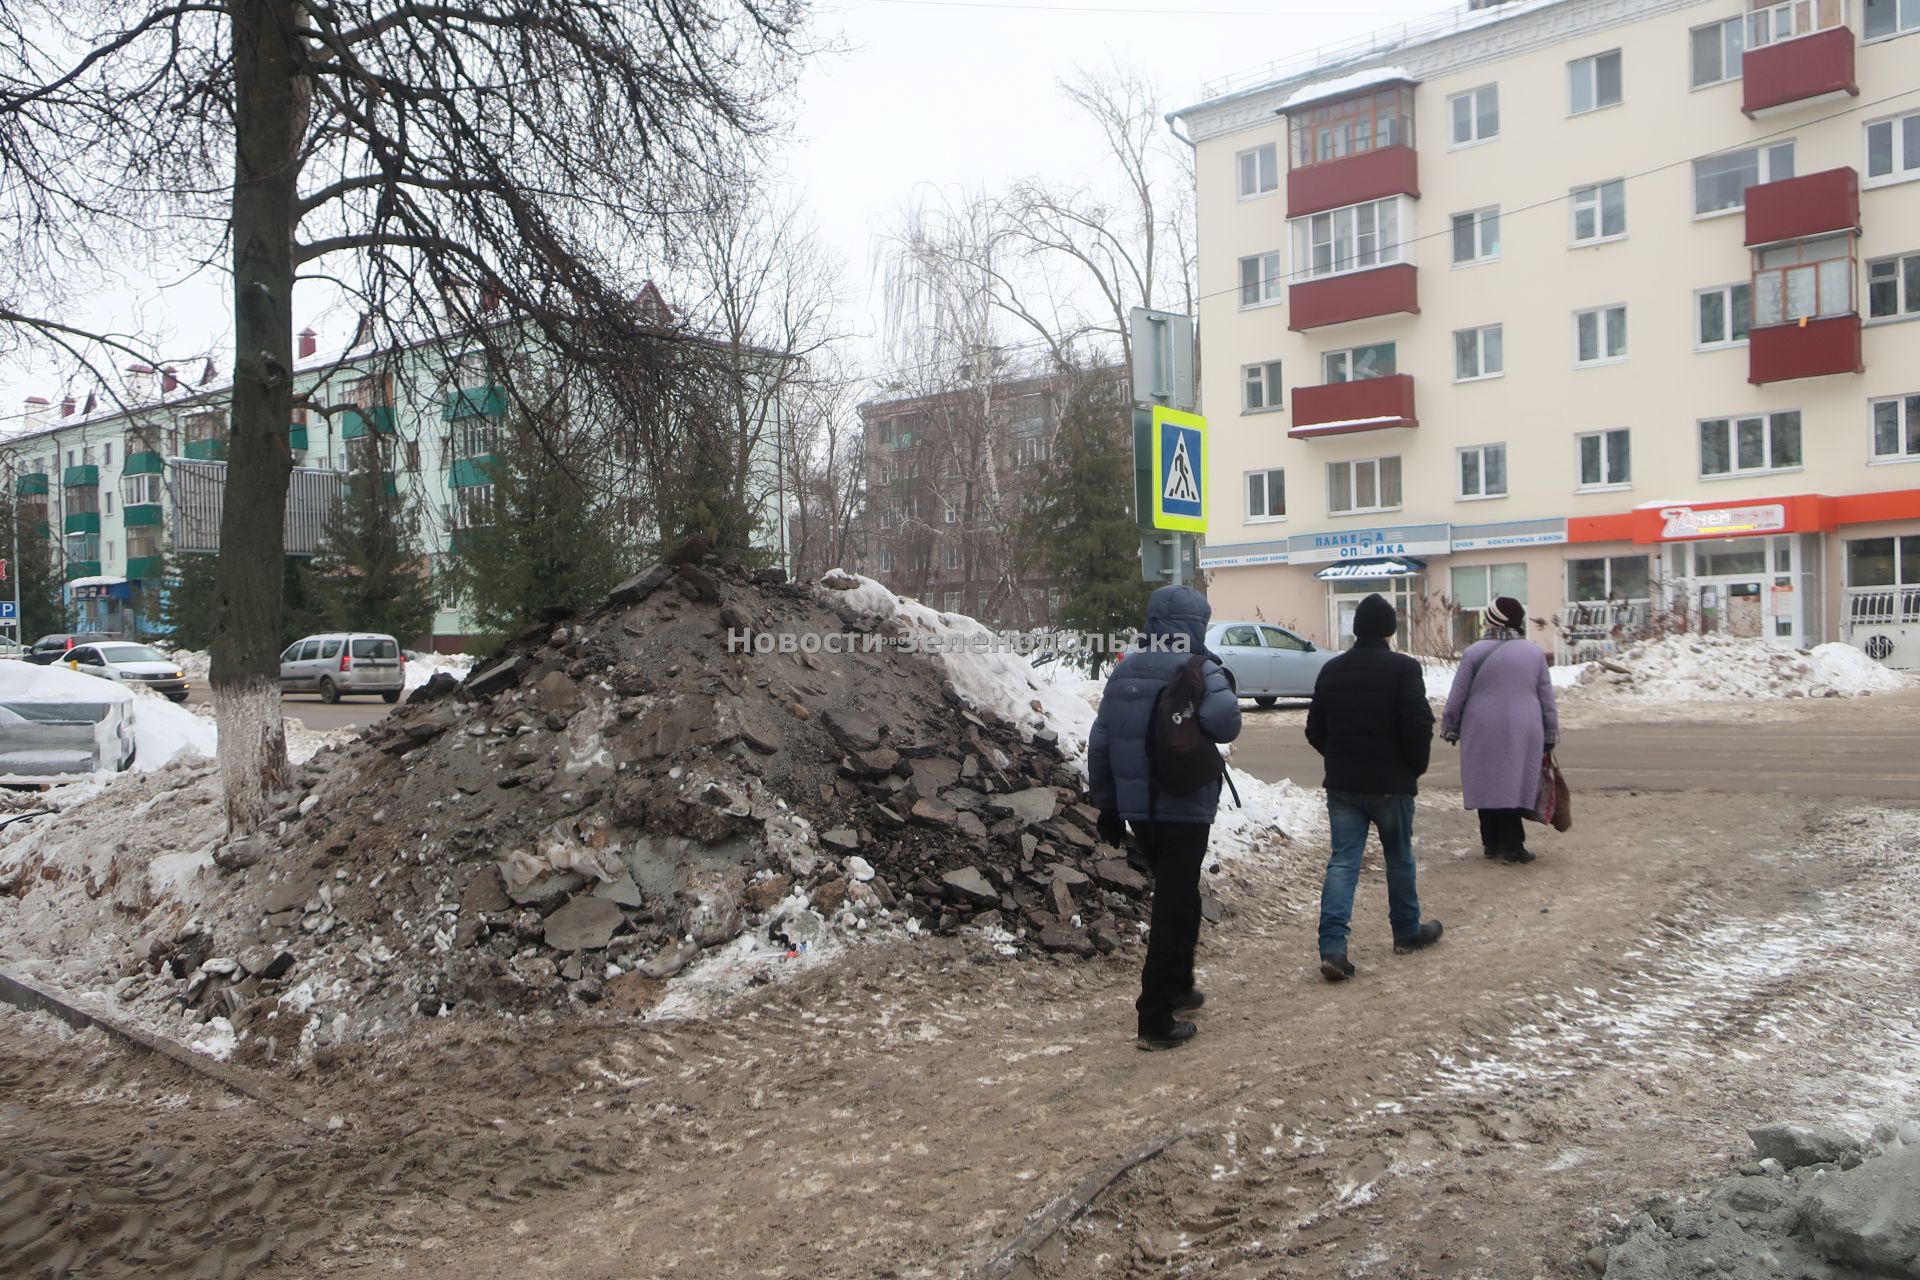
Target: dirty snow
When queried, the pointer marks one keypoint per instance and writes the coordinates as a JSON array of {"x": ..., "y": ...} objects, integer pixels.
[
  {"x": 164, "y": 730},
  {"x": 422, "y": 667},
  {"x": 1719, "y": 669}
]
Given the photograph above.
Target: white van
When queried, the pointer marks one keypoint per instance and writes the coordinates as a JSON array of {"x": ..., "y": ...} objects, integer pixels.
[{"x": 338, "y": 663}]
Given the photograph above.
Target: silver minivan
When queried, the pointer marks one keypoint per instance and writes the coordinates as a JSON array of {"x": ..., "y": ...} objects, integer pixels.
[{"x": 340, "y": 662}]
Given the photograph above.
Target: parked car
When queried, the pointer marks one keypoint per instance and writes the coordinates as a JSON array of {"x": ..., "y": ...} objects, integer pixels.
[
  {"x": 340, "y": 663},
  {"x": 1265, "y": 662},
  {"x": 48, "y": 648},
  {"x": 133, "y": 664}
]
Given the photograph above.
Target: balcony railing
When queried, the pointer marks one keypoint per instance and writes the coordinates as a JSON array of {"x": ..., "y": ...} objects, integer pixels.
[
  {"x": 468, "y": 402},
  {"x": 297, "y": 437},
  {"x": 81, "y": 477},
  {"x": 143, "y": 515},
  {"x": 356, "y": 424},
  {"x": 1355, "y": 295},
  {"x": 146, "y": 568},
  {"x": 1813, "y": 60},
  {"x": 211, "y": 449},
  {"x": 81, "y": 522},
  {"x": 1883, "y": 606},
  {"x": 1354, "y": 179},
  {"x": 1814, "y": 204},
  {"x": 1808, "y": 348},
  {"x": 1341, "y": 408},
  {"x": 82, "y": 569},
  {"x": 468, "y": 473},
  {"x": 145, "y": 463}
]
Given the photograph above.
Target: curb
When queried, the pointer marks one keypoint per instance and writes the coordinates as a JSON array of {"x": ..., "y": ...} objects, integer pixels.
[{"x": 24, "y": 993}]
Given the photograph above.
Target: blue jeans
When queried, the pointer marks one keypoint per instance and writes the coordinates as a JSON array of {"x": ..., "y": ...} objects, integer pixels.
[{"x": 1348, "y": 815}]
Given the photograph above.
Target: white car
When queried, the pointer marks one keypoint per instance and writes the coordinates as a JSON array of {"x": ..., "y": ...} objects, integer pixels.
[
  {"x": 1267, "y": 663},
  {"x": 128, "y": 663}
]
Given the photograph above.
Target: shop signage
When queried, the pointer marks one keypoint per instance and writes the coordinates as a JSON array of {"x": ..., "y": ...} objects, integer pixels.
[
  {"x": 1227, "y": 560},
  {"x": 1722, "y": 522},
  {"x": 1514, "y": 533},
  {"x": 1371, "y": 544}
]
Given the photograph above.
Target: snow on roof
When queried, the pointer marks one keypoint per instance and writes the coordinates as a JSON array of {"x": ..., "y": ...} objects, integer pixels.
[
  {"x": 1340, "y": 86},
  {"x": 96, "y": 581},
  {"x": 26, "y": 682}
]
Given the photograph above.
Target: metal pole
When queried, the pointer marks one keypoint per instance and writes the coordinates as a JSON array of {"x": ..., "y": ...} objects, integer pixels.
[
  {"x": 18, "y": 629},
  {"x": 1179, "y": 554}
]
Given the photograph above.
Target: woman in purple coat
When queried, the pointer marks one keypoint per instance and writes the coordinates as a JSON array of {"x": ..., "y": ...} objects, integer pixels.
[{"x": 1502, "y": 715}]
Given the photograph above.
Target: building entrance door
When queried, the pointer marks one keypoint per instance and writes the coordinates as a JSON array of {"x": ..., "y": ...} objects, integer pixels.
[
  {"x": 1733, "y": 607},
  {"x": 1344, "y": 596}
]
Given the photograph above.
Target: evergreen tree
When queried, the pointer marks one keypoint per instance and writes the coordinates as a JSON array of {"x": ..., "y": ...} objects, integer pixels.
[
  {"x": 369, "y": 574},
  {"x": 1080, "y": 525},
  {"x": 187, "y": 608},
  {"x": 42, "y": 600},
  {"x": 548, "y": 540}
]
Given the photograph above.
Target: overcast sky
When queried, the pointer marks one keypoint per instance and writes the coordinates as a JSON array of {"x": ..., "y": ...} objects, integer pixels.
[{"x": 957, "y": 93}]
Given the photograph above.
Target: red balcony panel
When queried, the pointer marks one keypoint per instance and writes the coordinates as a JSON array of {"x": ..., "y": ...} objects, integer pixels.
[
  {"x": 1816, "y": 66},
  {"x": 1783, "y": 352},
  {"x": 1817, "y": 204},
  {"x": 1382, "y": 291},
  {"x": 1340, "y": 408},
  {"x": 1371, "y": 175}
]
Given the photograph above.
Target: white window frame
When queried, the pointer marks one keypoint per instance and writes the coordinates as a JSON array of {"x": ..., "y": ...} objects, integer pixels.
[
  {"x": 1731, "y": 423},
  {"x": 1779, "y": 23},
  {"x": 1472, "y": 99},
  {"x": 1265, "y": 162},
  {"x": 1906, "y": 425},
  {"x": 1388, "y": 243},
  {"x": 1589, "y": 67},
  {"x": 1477, "y": 455},
  {"x": 1903, "y": 146},
  {"x": 1272, "y": 387},
  {"x": 1343, "y": 358},
  {"x": 1906, "y": 284},
  {"x": 1269, "y": 279},
  {"x": 1482, "y": 373},
  {"x": 1830, "y": 277},
  {"x": 1906, "y": 21},
  {"x": 950, "y": 558},
  {"x": 1766, "y": 156},
  {"x": 1736, "y": 28},
  {"x": 1265, "y": 476},
  {"x": 140, "y": 491},
  {"x": 1482, "y": 220},
  {"x": 1606, "y": 439},
  {"x": 1379, "y": 468},
  {"x": 1592, "y": 198},
  {"x": 1602, "y": 333},
  {"x": 1726, "y": 292}
]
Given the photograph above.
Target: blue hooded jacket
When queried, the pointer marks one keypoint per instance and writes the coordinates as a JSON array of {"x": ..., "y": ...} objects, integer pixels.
[{"x": 1117, "y": 764}]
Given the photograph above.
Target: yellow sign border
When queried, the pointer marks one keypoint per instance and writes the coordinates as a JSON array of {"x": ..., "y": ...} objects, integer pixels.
[{"x": 1161, "y": 519}]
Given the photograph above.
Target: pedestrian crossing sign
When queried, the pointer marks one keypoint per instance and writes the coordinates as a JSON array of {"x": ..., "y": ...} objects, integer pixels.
[{"x": 1179, "y": 463}]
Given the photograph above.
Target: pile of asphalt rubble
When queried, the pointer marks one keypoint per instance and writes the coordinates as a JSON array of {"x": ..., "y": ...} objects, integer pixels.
[
  {"x": 618, "y": 792},
  {"x": 1817, "y": 1204}
]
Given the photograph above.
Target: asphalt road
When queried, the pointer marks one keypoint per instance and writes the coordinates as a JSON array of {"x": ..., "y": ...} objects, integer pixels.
[
  {"x": 348, "y": 713},
  {"x": 1822, "y": 756}
]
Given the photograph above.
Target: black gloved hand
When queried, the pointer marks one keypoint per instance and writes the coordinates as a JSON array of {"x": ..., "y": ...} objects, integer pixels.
[{"x": 1111, "y": 827}]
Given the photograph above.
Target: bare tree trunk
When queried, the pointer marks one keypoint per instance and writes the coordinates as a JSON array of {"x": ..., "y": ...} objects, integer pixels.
[{"x": 249, "y": 583}]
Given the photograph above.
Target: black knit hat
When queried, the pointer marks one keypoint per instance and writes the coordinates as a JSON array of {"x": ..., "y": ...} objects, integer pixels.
[
  {"x": 1375, "y": 619},
  {"x": 1507, "y": 612}
]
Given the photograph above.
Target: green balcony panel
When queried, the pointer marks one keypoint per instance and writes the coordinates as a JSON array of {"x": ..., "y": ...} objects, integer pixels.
[
  {"x": 84, "y": 477},
  {"x": 297, "y": 437},
  {"x": 461, "y": 541},
  {"x": 146, "y": 568},
  {"x": 468, "y": 472},
  {"x": 142, "y": 515},
  {"x": 144, "y": 464},
  {"x": 355, "y": 423},
  {"x": 212, "y": 450},
  {"x": 33, "y": 484},
  {"x": 82, "y": 569},
  {"x": 83, "y": 522},
  {"x": 471, "y": 402}
]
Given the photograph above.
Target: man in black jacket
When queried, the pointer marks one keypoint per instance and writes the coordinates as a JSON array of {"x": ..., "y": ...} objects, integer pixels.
[{"x": 1371, "y": 721}]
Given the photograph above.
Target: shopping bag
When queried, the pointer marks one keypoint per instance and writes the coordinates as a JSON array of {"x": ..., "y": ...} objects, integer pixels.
[{"x": 1556, "y": 800}]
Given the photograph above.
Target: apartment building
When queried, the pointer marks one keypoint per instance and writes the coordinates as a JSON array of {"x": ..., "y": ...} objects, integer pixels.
[
  {"x": 948, "y": 474},
  {"x": 1603, "y": 304}
]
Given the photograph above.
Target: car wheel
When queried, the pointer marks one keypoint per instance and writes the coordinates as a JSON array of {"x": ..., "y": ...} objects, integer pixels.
[
  {"x": 391, "y": 695},
  {"x": 1265, "y": 700},
  {"x": 176, "y": 697},
  {"x": 329, "y": 692}
]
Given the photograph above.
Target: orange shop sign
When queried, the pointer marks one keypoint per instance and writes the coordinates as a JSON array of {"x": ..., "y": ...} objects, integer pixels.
[{"x": 1684, "y": 521}]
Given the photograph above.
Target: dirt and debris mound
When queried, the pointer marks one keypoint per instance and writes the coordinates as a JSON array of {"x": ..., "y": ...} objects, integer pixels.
[
  {"x": 1708, "y": 668},
  {"x": 714, "y": 752},
  {"x": 1818, "y": 1204}
]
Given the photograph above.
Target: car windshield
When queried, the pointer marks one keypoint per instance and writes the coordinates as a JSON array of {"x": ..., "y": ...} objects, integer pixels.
[
  {"x": 132, "y": 653},
  {"x": 368, "y": 647}
]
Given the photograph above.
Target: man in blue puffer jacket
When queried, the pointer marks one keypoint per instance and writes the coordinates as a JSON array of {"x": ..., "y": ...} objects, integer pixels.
[{"x": 1172, "y": 829}]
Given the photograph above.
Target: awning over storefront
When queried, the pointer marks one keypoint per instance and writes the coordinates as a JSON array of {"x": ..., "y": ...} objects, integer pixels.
[{"x": 1398, "y": 567}]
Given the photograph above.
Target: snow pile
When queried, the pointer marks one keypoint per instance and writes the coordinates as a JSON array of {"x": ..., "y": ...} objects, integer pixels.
[
  {"x": 422, "y": 667},
  {"x": 1723, "y": 669},
  {"x": 28, "y": 682},
  {"x": 163, "y": 731},
  {"x": 195, "y": 664}
]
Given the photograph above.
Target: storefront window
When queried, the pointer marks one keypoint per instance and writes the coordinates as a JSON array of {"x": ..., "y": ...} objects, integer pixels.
[
  {"x": 1608, "y": 578},
  {"x": 1727, "y": 564},
  {"x": 1883, "y": 562},
  {"x": 1476, "y": 587}
]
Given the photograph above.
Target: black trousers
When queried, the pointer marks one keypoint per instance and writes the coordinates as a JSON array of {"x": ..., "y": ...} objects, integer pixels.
[
  {"x": 1502, "y": 829},
  {"x": 1176, "y": 850}
]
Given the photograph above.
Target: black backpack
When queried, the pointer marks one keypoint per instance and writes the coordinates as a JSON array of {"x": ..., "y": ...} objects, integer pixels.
[{"x": 1181, "y": 758}]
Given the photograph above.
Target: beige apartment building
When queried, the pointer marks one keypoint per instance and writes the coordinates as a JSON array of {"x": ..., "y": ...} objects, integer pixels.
[{"x": 1605, "y": 304}]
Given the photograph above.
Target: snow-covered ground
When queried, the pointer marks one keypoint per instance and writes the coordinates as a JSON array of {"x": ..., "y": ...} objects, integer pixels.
[{"x": 1720, "y": 669}]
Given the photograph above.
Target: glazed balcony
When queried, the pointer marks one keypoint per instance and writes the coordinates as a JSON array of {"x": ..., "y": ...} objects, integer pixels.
[
  {"x": 82, "y": 522},
  {"x": 1799, "y": 70},
  {"x": 34, "y": 485},
  {"x": 212, "y": 449},
  {"x": 1356, "y": 295},
  {"x": 1815, "y": 204},
  {"x": 1812, "y": 348},
  {"x": 82, "y": 477},
  {"x": 356, "y": 424},
  {"x": 1354, "y": 179},
  {"x": 1342, "y": 408},
  {"x": 144, "y": 463}
]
